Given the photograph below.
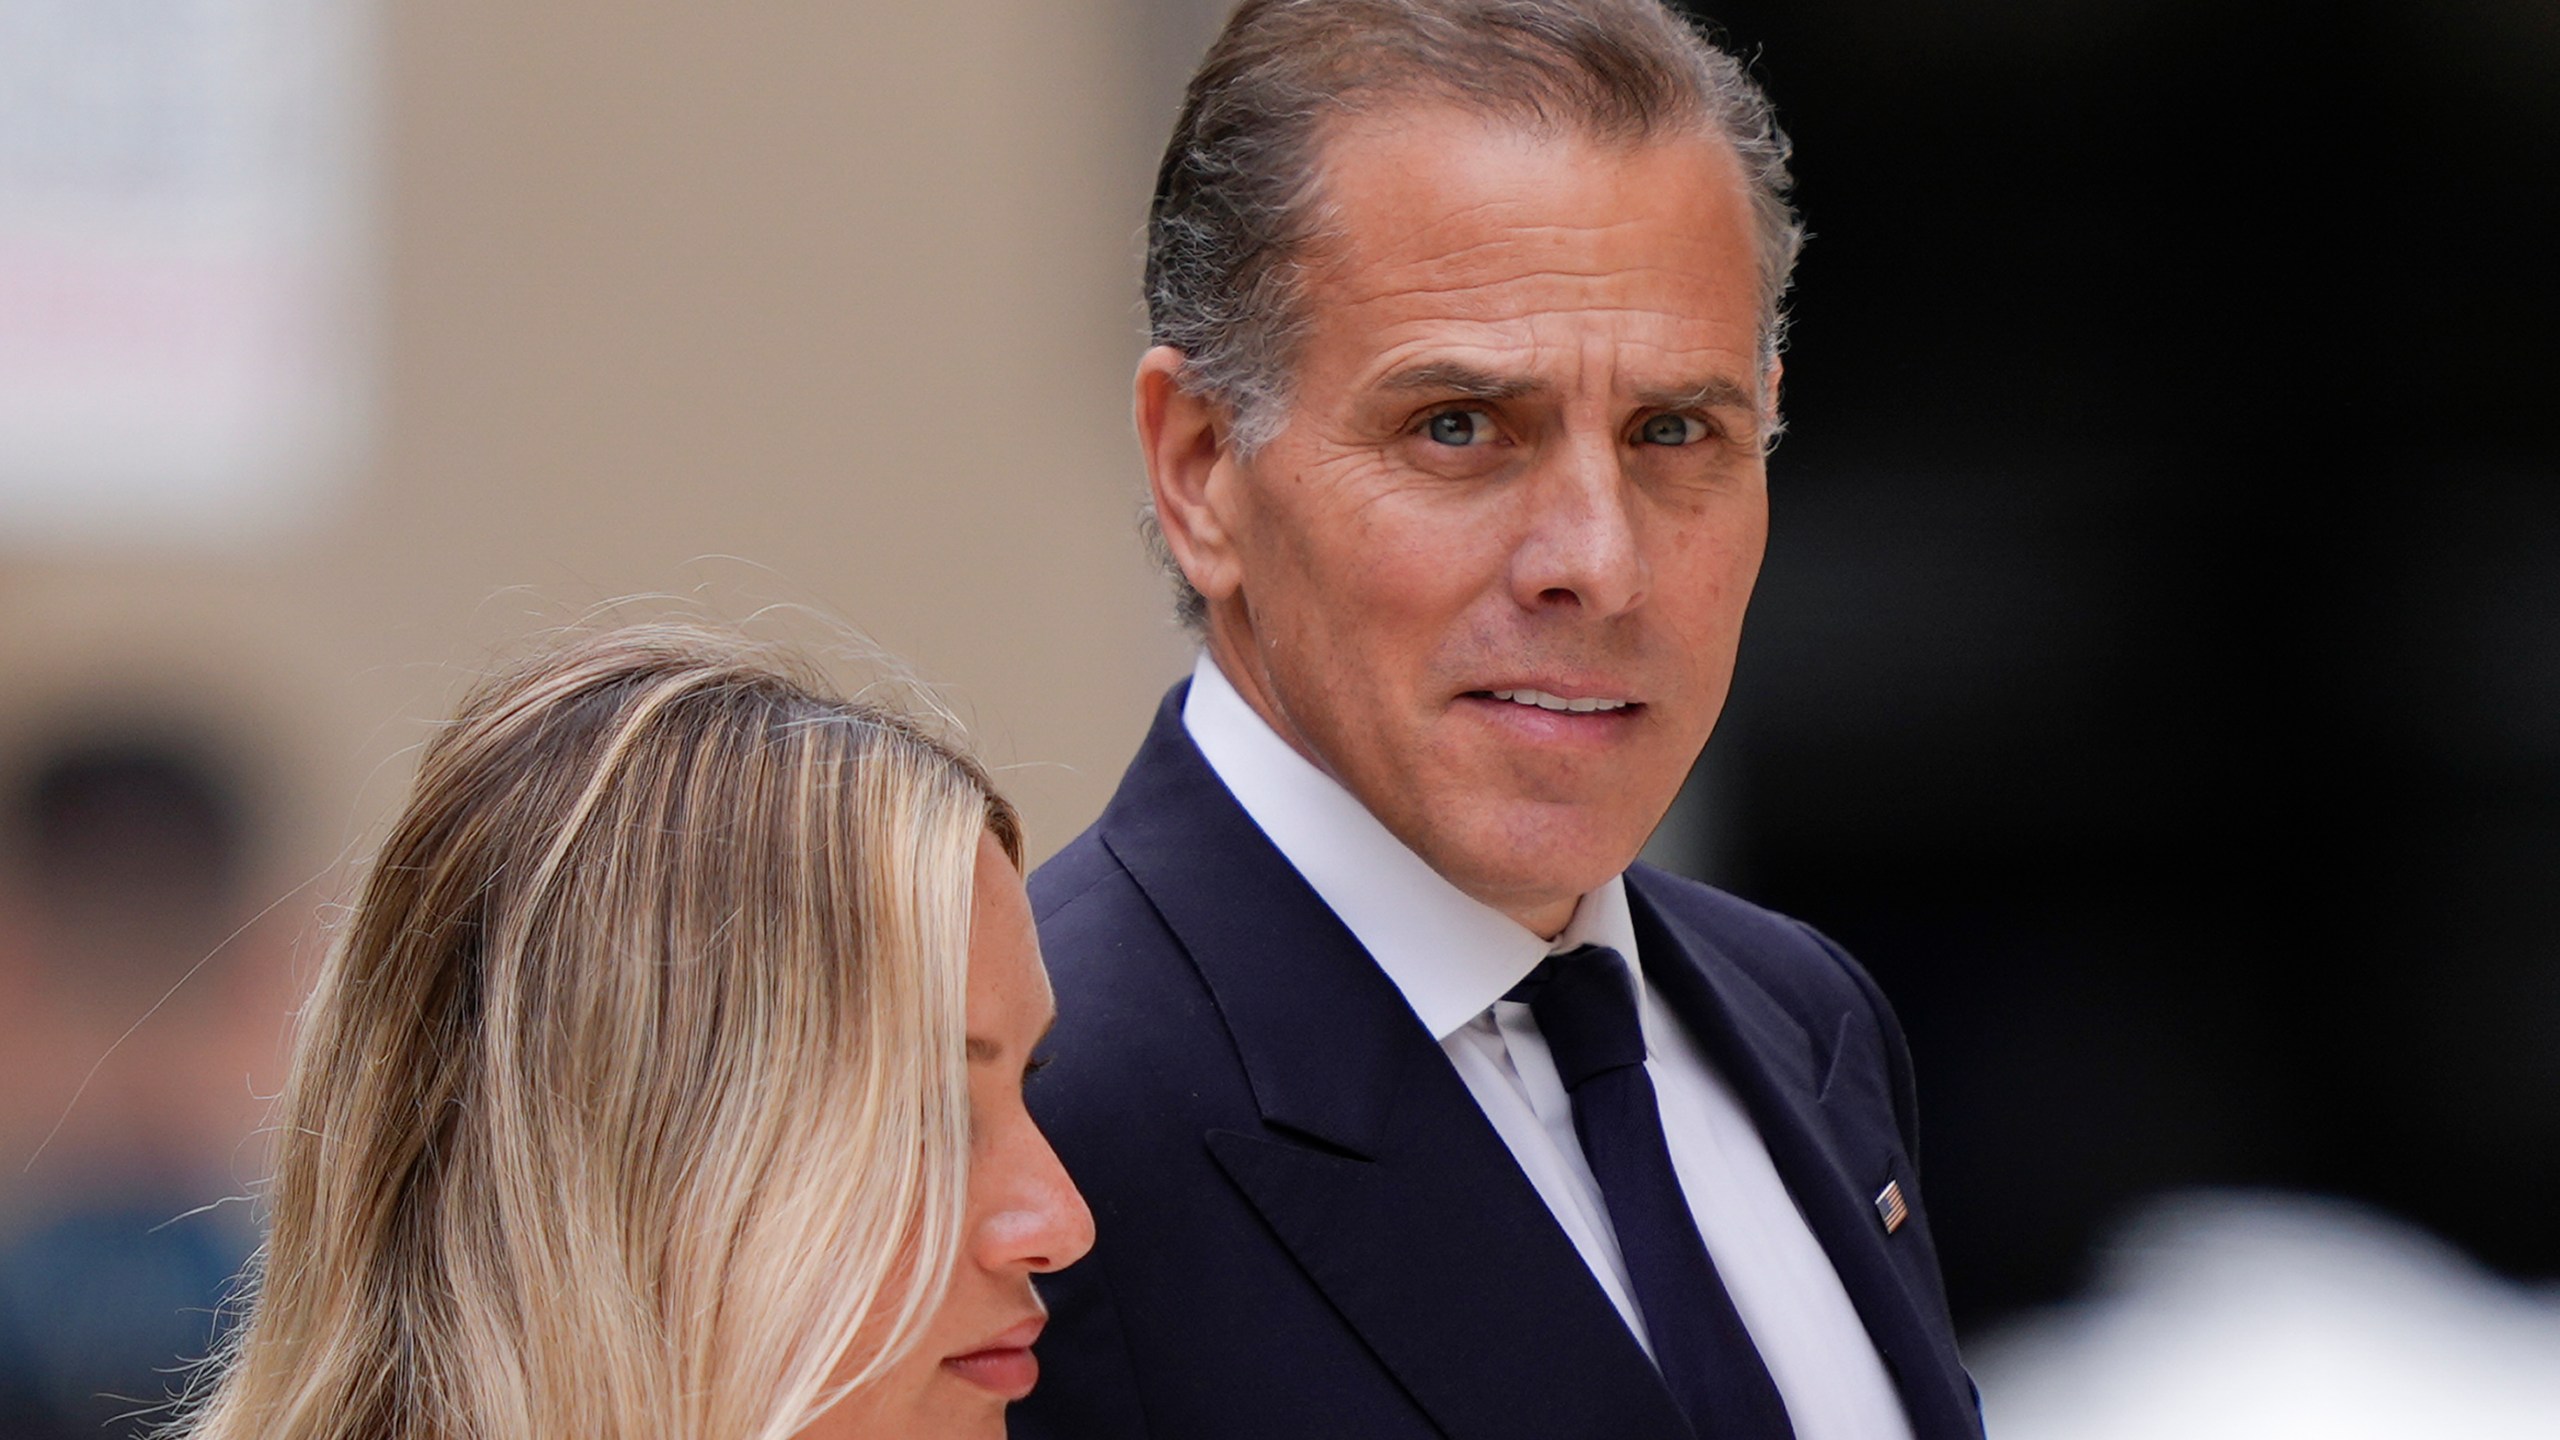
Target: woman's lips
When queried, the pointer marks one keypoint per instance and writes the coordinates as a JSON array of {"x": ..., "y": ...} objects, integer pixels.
[{"x": 1004, "y": 1365}]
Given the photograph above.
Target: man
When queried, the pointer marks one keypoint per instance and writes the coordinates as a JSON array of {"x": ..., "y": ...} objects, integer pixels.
[{"x": 1406, "y": 1103}]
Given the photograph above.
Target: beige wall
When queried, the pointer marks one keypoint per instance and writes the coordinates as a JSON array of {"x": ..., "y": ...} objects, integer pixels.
[{"x": 828, "y": 304}]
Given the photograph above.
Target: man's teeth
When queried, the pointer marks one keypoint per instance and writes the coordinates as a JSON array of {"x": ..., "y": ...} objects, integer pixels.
[{"x": 1545, "y": 701}]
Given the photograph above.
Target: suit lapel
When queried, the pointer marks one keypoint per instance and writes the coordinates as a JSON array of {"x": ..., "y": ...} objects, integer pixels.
[
  {"x": 1374, "y": 1167},
  {"x": 1833, "y": 1156}
]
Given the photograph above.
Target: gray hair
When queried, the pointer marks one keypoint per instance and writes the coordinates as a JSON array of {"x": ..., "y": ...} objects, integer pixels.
[{"x": 1237, "y": 203}]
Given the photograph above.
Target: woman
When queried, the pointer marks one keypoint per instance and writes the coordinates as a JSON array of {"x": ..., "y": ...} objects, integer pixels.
[{"x": 665, "y": 1083}]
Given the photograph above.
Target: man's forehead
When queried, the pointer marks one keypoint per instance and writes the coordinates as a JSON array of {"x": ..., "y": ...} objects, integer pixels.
[
  {"x": 1452, "y": 192},
  {"x": 1415, "y": 130},
  {"x": 1495, "y": 260}
]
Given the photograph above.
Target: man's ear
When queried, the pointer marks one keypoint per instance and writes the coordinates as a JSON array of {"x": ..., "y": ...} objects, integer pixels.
[{"x": 1189, "y": 472}]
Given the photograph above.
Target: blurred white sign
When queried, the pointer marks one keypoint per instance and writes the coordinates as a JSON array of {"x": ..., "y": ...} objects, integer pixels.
[{"x": 180, "y": 353}]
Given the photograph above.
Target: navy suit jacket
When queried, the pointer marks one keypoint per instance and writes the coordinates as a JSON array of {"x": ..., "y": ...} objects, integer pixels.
[{"x": 1306, "y": 1227}]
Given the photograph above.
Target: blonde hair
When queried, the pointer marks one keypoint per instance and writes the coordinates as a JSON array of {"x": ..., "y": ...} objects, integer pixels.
[{"x": 635, "y": 1085}]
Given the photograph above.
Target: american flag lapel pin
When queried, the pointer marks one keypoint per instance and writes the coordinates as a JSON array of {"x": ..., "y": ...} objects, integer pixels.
[{"x": 1889, "y": 1206}]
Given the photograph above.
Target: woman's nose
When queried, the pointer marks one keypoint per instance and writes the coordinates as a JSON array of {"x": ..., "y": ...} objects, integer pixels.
[{"x": 1043, "y": 1223}]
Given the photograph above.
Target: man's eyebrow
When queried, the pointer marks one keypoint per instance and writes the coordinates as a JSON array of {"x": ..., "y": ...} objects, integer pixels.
[
  {"x": 1448, "y": 377},
  {"x": 1465, "y": 381},
  {"x": 1719, "y": 393}
]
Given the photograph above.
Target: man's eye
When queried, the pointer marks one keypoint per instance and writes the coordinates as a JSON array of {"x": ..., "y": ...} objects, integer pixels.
[
  {"x": 1459, "y": 427},
  {"x": 1671, "y": 430}
]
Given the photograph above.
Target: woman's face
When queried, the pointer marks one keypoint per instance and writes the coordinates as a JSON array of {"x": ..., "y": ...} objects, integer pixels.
[{"x": 1024, "y": 1215}]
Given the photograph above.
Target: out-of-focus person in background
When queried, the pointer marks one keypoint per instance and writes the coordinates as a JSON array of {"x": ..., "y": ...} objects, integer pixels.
[
  {"x": 1409, "y": 1107},
  {"x": 126, "y": 861},
  {"x": 665, "y": 1082}
]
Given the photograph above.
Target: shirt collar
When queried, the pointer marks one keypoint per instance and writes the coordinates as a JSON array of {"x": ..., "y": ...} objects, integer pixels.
[{"x": 1450, "y": 954}]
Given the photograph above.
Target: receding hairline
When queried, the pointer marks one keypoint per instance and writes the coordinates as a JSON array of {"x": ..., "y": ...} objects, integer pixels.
[
  {"x": 1388, "y": 103},
  {"x": 1321, "y": 251},
  {"x": 1389, "y": 106}
]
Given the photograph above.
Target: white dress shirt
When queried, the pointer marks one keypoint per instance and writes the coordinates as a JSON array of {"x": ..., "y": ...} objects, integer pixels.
[{"x": 1453, "y": 957}]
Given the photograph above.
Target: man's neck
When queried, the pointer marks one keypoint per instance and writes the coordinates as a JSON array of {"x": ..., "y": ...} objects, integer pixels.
[{"x": 1233, "y": 654}]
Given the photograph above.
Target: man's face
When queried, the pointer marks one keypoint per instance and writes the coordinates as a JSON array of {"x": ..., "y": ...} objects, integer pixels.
[{"x": 1491, "y": 574}]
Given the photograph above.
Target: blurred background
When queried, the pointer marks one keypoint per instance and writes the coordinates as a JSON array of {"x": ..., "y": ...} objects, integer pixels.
[{"x": 2155, "y": 677}]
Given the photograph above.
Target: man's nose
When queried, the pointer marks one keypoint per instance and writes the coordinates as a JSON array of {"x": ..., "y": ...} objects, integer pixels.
[
  {"x": 1580, "y": 545},
  {"x": 1043, "y": 1224}
]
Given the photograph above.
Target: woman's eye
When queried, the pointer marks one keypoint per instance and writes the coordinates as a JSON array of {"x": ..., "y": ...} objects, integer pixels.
[
  {"x": 1671, "y": 430},
  {"x": 1459, "y": 427}
]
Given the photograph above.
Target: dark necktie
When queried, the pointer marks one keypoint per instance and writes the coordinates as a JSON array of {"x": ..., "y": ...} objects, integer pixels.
[{"x": 1585, "y": 1002}]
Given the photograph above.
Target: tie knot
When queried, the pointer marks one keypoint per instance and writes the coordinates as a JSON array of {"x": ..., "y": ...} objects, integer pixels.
[{"x": 1585, "y": 1001}]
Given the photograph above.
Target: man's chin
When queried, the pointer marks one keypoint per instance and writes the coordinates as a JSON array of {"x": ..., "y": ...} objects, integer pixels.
[{"x": 1528, "y": 873}]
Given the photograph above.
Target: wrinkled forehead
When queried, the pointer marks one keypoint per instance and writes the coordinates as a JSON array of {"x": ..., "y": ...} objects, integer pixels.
[
  {"x": 1464, "y": 193},
  {"x": 1442, "y": 218}
]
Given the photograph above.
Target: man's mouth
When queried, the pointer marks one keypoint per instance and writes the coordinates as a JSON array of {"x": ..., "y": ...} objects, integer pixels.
[{"x": 1573, "y": 704}]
